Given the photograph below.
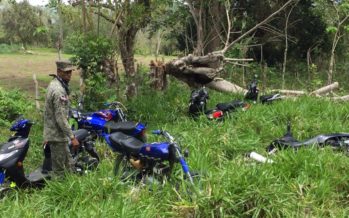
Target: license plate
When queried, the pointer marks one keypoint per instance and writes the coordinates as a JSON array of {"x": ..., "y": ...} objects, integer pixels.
[{"x": 2, "y": 177}]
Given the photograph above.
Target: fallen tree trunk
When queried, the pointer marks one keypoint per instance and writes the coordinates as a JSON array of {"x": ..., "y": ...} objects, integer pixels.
[
  {"x": 199, "y": 71},
  {"x": 325, "y": 89},
  {"x": 341, "y": 98},
  {"x": 289, "y": 92},
  {"x": 222, "y": 85}
]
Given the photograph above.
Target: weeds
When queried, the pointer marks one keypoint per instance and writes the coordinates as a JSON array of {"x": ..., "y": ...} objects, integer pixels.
[{"x": 311, "y": 182}]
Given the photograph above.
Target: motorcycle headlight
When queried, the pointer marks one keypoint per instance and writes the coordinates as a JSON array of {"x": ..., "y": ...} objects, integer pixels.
[{"x": 7, "y": 155}]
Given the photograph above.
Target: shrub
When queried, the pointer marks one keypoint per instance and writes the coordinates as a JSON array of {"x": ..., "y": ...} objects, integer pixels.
[
  {"x": 90, "y": 54},
  {"x": 6, "y": 49},
  {"x": 12, "y": 104}
]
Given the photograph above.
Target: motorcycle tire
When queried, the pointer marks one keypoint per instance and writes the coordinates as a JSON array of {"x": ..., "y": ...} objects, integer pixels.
[{"x": 124, "y": 169}]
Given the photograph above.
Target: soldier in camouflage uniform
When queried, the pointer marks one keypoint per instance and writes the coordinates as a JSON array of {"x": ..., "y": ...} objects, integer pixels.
[{"x": 57, "y": 131}]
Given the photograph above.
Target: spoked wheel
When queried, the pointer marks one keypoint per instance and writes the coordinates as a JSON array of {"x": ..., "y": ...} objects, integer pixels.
[{"x": 124, "y": 169}]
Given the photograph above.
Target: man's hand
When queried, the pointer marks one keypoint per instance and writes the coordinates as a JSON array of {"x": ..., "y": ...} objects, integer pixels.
[{"x": 75, "y": 143}]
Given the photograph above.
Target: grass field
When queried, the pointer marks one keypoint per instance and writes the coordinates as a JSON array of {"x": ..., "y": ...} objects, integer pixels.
[
  {"x": 310, "y": 182},
  {"x": 16, "y": 70}
]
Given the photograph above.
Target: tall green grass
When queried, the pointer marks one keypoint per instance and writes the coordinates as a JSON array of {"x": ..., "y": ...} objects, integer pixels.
[{"x": 311, "y": 182}]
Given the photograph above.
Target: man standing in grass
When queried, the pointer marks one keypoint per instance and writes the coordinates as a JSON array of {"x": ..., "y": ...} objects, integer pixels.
[{"x": 57, "y": 131}]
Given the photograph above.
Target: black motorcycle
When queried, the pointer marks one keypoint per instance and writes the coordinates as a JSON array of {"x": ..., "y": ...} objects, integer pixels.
[
  {"x": 13, "y": 153},
  {"x": 335, "y": 140},
  {"x": 198, "y": 101},
  {"x": 252, "y": 93},
  {"x": 222, "y": 109}
]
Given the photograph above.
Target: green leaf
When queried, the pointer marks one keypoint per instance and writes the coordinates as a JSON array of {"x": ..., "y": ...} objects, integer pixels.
[{"x": 331, "y": 29}]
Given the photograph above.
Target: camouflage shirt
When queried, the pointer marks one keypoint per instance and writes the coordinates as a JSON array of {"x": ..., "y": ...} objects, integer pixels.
[{"x": 56, "y": 126}]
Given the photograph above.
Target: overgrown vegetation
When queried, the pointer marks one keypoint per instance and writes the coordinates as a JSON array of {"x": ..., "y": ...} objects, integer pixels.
[
  {"x": 95, "y": 58},
  {"x": 310, "y": 182},
  {"x": 12, "y": 104}
]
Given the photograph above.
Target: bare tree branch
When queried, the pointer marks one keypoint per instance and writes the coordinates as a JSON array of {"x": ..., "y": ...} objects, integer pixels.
[{"x": 256, "y": 26}]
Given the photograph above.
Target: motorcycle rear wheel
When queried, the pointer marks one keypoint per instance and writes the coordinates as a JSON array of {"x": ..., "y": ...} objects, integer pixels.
[{"x": 124, "y": 169}]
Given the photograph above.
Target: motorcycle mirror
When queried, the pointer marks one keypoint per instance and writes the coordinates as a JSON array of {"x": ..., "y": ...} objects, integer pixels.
[{"x": 156, "y": 132}]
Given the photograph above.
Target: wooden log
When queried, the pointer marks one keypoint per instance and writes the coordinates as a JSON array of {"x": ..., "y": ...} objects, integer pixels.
[
  {"x": 341, "y": 98},
  {"x": 238, "y": 59},
  {"x": 225, "y": 86},
  {"x": 37, "y": 103},
  {"x": 325, "y": 89},
  {"x": 289, "y": 92},
  {"x": 157, "y": 75}
]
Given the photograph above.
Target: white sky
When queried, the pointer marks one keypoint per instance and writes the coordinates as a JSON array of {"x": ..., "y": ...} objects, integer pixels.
[
  {"x": 36, "y": 2},
  {"x": 39, "y": 2}
]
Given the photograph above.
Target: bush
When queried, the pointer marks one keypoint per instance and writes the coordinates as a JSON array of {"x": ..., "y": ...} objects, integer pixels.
[
  {"x": 12, "y": 104},
  {"x": 90, "y": 54},
  {"x": 6, "y": 49}
]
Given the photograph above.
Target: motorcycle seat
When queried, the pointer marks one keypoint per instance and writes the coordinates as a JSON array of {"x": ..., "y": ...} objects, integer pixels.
[
  {"x": 125, "y": 127},
  {"x": 80, "y": 134},
  {"x": 230, "y": 106},
  {"x": 125, "y": 143}
]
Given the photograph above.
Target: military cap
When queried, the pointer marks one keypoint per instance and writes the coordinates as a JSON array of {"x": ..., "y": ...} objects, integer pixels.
[{"x": 64, "y": 65}]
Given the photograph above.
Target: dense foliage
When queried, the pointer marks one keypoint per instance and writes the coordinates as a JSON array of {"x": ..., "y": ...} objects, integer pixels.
[
  {"x": 12, "y": 104},
  {"x": 22, "y": 23},
  {"x": 91, "y": 54}
]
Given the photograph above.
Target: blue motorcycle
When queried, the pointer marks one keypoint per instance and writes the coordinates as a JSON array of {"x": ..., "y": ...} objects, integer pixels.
[
  {"x": 108, "y": 121},
  {"x": 146, "y": 159}
]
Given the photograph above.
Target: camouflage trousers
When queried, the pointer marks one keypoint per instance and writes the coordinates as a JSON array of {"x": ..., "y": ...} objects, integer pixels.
[{"x": 62, "y": 161}]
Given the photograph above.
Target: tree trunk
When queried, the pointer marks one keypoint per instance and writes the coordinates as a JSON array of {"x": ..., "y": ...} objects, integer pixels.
[
  {"x": 126, "y": 45},
  {"x": 158, "y": 76},
  {"x": 196, "y": 9},
  {"x": 158, "y": 42},
  {"x": 331, "y": 66},
  {"x": 83, "y": 8},
  {"x": 214, "y": 28},
  {"x": 110, "y": 70},
  {"x": 286, "y": 47},
  {"x": 308, "y": 65}
]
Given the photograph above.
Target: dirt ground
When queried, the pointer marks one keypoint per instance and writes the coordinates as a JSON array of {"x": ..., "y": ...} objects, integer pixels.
[{"x": 17, "y": 70}]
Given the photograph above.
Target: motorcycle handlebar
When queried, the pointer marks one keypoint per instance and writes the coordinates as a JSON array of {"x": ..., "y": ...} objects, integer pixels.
[
  {"x": 115, "y": 104},
  {"x": 164, "y": 133},
  {"x": 156, "y": 132}
]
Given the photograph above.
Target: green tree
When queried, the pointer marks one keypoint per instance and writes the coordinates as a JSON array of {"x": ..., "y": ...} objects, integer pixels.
[
  {"x": 22, "y": 23},
  {"x": 336, "y": 16},
  {"x": 94, "y": 56}
]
